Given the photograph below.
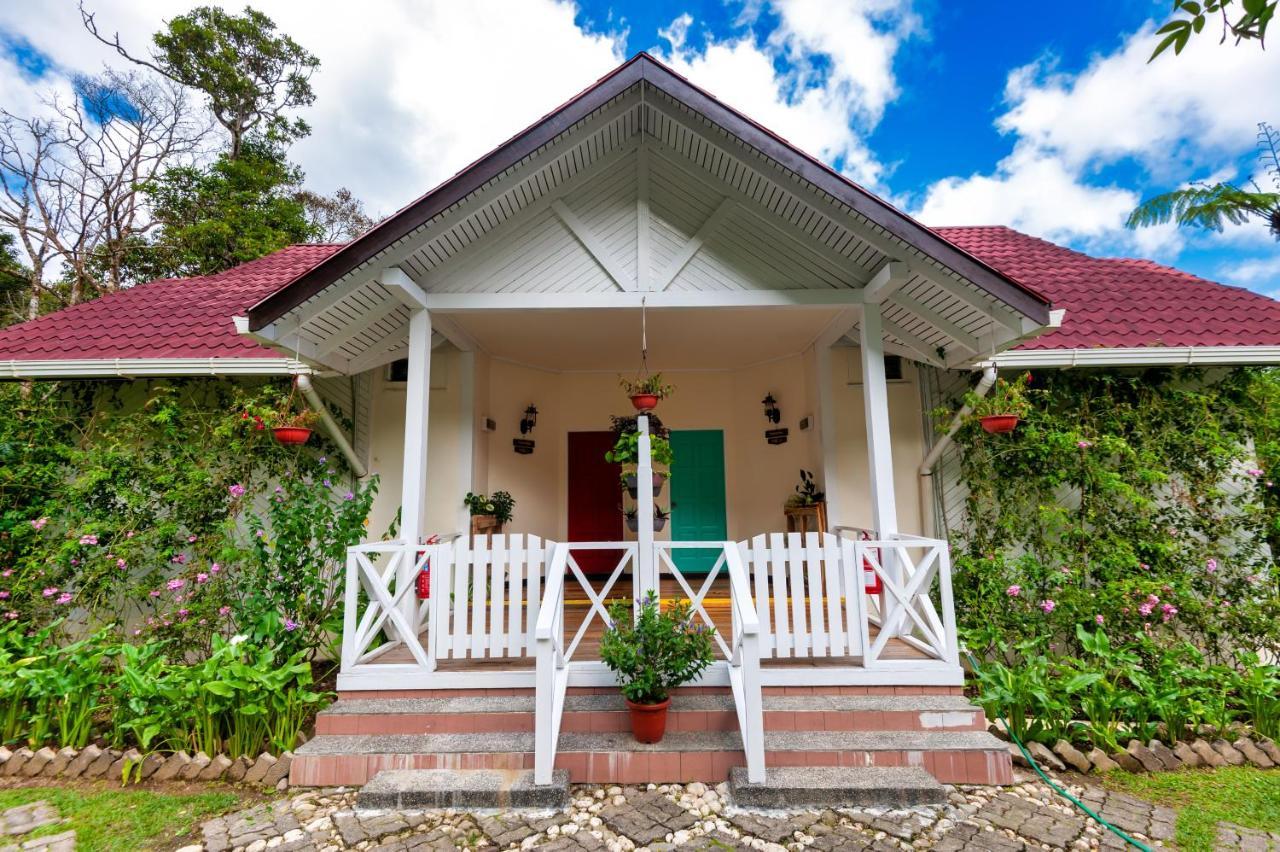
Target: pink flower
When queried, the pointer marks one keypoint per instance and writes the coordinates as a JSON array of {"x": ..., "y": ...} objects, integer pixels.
[
  {"x": 175, "y": 584},
  {"x": 1168, "y": 611},
  {"x": 191, "y": 539},
  {"x": 50, "y": 592},
  {"x": 1098, "y": 620},
  {"x": 236, "y": 491},
  {"x": 183, "y": 613},
  {"x": 120, "y": 563},
  {"x": 1048, "y": 606},
  {"x": 180, "y": 559},
  {"x": 88, "y": 539},
  {"x": 202, "y": 577},
  {"x": 155, "y": 593},
  {"x": 1013, "y": 591},
  {"x": 129, "y": 534},
  {"x": 224, "y": 611},
  {"x": 39, "y": 523},
  {"x": 4, "y": 596},
  {"x": 290, "y": 625},
  {"x": 1211, "y": 565},
  {"x": 1084, "y": 445},
  {"x": 11, "y": 615},
  {"x": 64, "y": 598},
  {"x": 350, "y": 495},
  {"x": 8, "y": 572},
  {"x": 1146, "y": 608},
  {"x": 1254, "y": 472},
  {"x": 215, "y": 568},
  {"x": 1253, "y": 579},
  {"x": 1144, "y": 566}
]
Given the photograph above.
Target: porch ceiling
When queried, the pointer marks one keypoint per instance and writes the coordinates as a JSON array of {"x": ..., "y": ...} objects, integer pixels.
[{"x": 709, "y": 339}]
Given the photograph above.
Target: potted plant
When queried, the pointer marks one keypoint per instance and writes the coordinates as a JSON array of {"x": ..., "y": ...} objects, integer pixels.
[
  {"x": 652, "y": 653},
  {"x": 659, "y": 519},
  {"x": 488, "y": 514},
  {"x": 806, "y": 493},
  {"x": 626, "y": 452},
  {"x": 645, "y": 393},
  {"x": 1000, "y": 411},
  {"x": 293, "y": 428},
  {"x": 806, "y": 507}
]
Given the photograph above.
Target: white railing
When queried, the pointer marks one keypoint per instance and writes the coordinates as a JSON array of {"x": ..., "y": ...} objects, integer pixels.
[
  {"x": 385, "y": 572},
  {"x": 553, "y": 653},
  {"x": 911, "y": 569}
]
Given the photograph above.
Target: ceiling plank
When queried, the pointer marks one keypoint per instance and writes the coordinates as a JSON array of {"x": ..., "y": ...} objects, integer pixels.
[
  {"x": 691, "y": 246},
  {"x": 593, "y": 244}
]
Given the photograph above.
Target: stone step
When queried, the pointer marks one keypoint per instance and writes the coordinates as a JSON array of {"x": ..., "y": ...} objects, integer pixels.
[
  {"x": 608, "y": 713},
  {"x": 414, "y": 789},
  {"x": 836, "y": 786},
  {"x": 958, "y": 757}
]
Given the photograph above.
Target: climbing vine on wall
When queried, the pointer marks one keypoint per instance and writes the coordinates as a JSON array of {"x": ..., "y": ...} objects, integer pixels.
[{"x": 1145, "y": 501}]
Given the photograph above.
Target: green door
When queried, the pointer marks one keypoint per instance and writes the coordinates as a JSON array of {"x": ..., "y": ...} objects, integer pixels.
[{"x": 697, "y": 495}]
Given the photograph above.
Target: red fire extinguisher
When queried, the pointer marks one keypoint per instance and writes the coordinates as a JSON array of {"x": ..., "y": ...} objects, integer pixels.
[
  {"x": 870, "y": 578},
  {"x": 424, "y": 576}
]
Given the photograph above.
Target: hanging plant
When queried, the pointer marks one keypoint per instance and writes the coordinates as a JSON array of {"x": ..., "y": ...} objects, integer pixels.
[
  {"x": 659, "y": 519},
  {"x": 647, "y": 392},
  {"x": 1000, "y": 411},
  {"x": 626, "y": 451},
  {"x": 293, "y": 428}
]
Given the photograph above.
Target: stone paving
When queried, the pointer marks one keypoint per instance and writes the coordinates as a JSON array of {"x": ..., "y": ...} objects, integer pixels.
[{"x": 1025, "y": 816}]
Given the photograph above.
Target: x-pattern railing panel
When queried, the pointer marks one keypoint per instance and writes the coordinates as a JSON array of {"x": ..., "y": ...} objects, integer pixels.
[
  {"x": 664, "y": 552},
  {"x": 907, "y": 610}
]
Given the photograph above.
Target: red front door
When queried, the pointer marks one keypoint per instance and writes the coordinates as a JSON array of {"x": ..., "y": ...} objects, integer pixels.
[{"x": 594, "y": 499}]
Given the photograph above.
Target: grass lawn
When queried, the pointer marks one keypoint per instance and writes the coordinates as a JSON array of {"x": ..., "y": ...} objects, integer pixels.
[
  {"x": 106, "y": 817},
  {"x": 1204, "y": 797}
]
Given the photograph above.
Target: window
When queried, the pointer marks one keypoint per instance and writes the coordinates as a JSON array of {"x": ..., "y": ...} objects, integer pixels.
[
  {"x": 893, "y": 368},
  {"x": 398, "y": 370}
]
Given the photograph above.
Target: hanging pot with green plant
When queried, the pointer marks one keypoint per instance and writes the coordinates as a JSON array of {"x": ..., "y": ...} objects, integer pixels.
[
  {"x": 293, "y": 428},
  {"x": 652, "y": 652},
  {"x": 631, "y": 482},
  {"x": 647, "y": 392},
  {"x": 1000, "y": 411},
  {"x": 659, "y": 519}
]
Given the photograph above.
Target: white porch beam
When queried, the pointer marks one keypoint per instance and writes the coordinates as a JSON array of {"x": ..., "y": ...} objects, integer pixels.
[
  {"x": 643, "y": 256},
  {"x": 291, "y": 345},
  {"x": 924, "y": 350},
  {"x": 377, "y": 358},
  {"x": 938, "y": 321},
  {"x": 405, "y": 290},
  {"x": 312, "y": 309},
  {"x": 888, "y": 279},
  {"x": 1015, "y": 323},
  {"x": 875, "y": 401},
  {"x": 593, "y": 244},
  {"x": 691, "y": 246},
  {"x": 462, "y": 302}
]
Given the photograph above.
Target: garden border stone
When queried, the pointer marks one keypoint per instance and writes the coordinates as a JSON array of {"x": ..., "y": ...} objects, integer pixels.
[
  {"x": 1207, "y": 754},
  {"x": 1229, "y": 754},
  {"x": 1165, "y": 754},
  {"x": 92, "y": 761},
  {"x": 1187, "y": 754},
  {"x": 1255, "y": 755}
]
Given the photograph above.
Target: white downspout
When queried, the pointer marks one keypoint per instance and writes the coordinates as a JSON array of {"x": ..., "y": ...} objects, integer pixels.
[
  {"x": 984, "y": 386},
  {"x": 331, "y": 427}
]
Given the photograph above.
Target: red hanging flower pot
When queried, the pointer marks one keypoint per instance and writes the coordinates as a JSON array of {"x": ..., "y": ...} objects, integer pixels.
[
  {"x": 644, "y": 401},
  {"x": 999, "y": 424},
  {"x": 291, "y": 435},
  {"x": 648, "y": 721}
]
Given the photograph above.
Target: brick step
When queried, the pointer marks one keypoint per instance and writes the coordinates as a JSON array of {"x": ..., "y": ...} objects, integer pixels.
[
  {"x": 414, "y": 789},
  {"x": 836, "y": 787},
  {"x": 606, "y": 713},
  {"x": 956, "y": 757}
]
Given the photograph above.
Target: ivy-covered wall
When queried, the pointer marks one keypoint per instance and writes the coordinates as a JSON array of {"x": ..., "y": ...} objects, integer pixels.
[{"x": 1144, "y": 501}]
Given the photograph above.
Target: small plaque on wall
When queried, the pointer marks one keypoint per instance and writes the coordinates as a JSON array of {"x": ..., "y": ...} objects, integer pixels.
[
  {"x": 775, "y": 436},
  {"x": 523, "y": 446}
]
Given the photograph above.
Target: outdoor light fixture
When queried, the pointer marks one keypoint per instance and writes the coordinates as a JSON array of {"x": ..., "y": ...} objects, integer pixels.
[
  {"x": 771, "y": 412},
  {"x": 529, "y": 420}
]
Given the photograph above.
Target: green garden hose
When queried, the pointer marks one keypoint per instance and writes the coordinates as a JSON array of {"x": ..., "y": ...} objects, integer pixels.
[{"x": 1053, "y": 784}]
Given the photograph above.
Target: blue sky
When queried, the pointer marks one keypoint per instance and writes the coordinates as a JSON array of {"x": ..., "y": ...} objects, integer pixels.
[{"x": 1042, "y": 116}]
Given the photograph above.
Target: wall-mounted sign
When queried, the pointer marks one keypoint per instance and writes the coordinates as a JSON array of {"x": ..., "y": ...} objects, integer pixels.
[
  {"x": 775, "y": 436},
  {"x": 523, "y": 446}
]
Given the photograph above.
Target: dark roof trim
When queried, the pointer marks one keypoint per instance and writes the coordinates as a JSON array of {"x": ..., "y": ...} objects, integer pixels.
[{"x": 642, "y": 67}]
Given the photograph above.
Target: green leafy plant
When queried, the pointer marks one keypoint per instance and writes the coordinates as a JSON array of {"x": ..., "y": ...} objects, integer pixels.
[
  {"x": 1004, "y": 398},
  {"x": 500, "y": 504},
  {"x": 649, "y": 386},
  {"x": 627, "y": 450},
  {"x": 807, "y": 492},
  {"x": 655, "y": 651}
]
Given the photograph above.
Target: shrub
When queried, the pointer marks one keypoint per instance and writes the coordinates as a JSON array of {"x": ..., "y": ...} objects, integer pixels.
[{"x": 656, "y": 651}]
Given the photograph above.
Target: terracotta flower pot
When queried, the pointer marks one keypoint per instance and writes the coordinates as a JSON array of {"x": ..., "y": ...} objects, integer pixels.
[
  {"x": 644, "y": 401},
  {"x": 999, "y": 424},
  {"x": 648, "y": 721},
  {"x": 291, "y": 435}
]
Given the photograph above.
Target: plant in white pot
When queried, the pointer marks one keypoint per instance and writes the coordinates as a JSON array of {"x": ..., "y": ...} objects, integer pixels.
[{"x": 652, "y": 653}]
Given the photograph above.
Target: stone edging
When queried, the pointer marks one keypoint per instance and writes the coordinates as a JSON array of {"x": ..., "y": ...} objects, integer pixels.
[
  {"x": 1155, "y": 756},
  {"x": 93, "y": 762}
]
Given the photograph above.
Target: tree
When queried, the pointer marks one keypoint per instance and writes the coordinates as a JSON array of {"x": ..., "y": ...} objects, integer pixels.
[
  {"x": 336, "y": 218},
  {"x": 235, "y": 210},
  {"x": 13, "y": 282},
  {"x": 71, "y": 179},
  {"x": 251, "y": 74},
  {"x": 1250, "y": 24},
  {"x": 1212, "y": 206}
]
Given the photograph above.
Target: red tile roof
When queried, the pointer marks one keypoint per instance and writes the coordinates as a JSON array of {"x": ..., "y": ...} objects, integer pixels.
[
  {"x": 1110, "y": 302},
  {"x": 1122, "y": 302},
  {"x": 170, "y": 318}
]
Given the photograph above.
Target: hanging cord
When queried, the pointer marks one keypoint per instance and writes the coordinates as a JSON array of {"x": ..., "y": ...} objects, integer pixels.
[
  {"x": 644, "y": 336},
  {"x": 1031, "y": 761}
]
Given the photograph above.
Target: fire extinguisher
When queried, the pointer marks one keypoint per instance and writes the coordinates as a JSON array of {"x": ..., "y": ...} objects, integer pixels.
[
  {"x": 423, "y": 583},
  {"x": 870, "y": 578}
]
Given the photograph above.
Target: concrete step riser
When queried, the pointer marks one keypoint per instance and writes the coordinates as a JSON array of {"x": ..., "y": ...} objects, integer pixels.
[
  {"x": 609, "y": 721},
  {"x": 629, "y": 767},
  {"x": 881, "y": 691}
]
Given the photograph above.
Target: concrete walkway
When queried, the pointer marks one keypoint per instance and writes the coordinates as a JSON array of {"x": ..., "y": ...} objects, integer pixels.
[{"x": 1022, "y": 817}]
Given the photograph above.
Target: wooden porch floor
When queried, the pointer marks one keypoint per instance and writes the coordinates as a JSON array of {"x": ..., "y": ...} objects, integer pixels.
[{"x": 577, "y": 606}]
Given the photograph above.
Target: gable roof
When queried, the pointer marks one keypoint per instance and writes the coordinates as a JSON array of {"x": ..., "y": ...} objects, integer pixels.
[
  {"x": 1121, "y": 309},
  {"x": 183, "y": 319},
  {"x": 1123, "y": 303},
  {"x": 644, "y": 69}
]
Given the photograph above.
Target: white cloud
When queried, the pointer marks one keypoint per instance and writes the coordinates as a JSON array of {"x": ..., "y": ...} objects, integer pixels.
[
  {"x": 837, "y": 81},
  {"x": 407, "y": 93},
  {"x": 1254, "y": 273},
  {"x": 1194, "y": 114}
]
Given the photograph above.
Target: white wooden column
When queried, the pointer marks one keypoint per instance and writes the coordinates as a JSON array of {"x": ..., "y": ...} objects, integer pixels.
[
  {"x": 646, "y": 573},
  {"x": 417, "y": 400},
  {"x": 875, "y": 401}
]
